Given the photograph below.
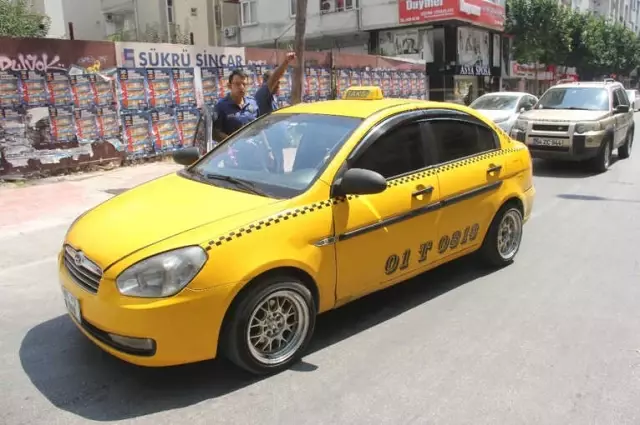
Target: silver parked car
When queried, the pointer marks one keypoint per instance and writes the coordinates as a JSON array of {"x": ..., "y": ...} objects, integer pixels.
[
  {"x": 633, "y": 98},
  {"x": 503, "y": 108}
]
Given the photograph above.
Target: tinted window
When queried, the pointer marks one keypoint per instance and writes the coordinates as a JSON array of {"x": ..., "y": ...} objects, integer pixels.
[
  {"x": 587, "y": 98},
  {"x": 396, "y": 152},
  {"x": 281, "y": 154},
  {"x": 622, "y": 96},
  {"x": 458, "y": 139}
]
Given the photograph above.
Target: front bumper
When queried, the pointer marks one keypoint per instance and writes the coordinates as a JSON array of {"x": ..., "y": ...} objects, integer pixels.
[
  {"x": 572, "y": 146},
  {"x": 184, "y": 328}
]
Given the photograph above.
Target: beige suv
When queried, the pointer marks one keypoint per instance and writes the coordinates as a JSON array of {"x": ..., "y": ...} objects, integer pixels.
[{"x": 582, "y": 121}]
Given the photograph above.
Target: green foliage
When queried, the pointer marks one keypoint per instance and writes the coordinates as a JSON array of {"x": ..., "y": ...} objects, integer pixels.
[
  {"x": 17, "y": 20},
  {"x": 547, "y": 32}
]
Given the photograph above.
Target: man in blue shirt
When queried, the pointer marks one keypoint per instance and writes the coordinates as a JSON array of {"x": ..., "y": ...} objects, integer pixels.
[
  {"x": 266, "y": 96},
  {"x": 236, "y": 109}
]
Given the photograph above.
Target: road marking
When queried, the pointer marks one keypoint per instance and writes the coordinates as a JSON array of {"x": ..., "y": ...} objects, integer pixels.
[{"x": 20, "y": 267}]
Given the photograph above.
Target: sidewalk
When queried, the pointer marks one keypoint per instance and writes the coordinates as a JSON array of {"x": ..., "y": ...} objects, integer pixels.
[{"x": 56, "y": 201}]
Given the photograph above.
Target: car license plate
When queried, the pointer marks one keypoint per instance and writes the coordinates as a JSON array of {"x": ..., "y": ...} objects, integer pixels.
[
  {"x": 73, "y": 305},
  {"x": 540, "y": 141}
]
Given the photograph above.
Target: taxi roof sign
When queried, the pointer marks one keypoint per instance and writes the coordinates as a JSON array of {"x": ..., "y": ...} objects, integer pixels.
[{"x": 363, "y": 93}]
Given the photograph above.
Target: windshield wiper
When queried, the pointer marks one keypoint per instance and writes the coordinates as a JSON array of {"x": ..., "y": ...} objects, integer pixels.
[
  {"x": 575, "y": 108},
  {"x": 244, "y": 184}
]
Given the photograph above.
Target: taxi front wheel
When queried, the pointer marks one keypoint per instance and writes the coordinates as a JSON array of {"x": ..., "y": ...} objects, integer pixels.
[
  {"x": 502, "y": 242},
  {"x": 271, "y": 325}
]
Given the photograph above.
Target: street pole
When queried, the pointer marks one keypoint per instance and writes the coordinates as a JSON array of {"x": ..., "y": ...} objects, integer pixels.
[{"x": 298, "y": 72}]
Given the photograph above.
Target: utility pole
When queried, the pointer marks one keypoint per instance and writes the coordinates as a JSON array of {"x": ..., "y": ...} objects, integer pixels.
[{"x": 298, "y": 72}]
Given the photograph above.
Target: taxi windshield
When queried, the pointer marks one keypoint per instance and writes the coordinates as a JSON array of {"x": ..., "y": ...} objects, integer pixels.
[
  {"x": 581, "y": 98},
  {"x": 278, "y": 156}
]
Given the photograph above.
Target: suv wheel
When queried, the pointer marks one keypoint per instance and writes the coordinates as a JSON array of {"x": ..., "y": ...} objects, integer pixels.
[
  {"x": 624, "y": 151},
  {"x": 602, "y": 161}
]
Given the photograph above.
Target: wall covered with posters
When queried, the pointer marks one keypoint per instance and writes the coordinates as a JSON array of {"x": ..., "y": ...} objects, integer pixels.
[{"x": 64, "y": 104}]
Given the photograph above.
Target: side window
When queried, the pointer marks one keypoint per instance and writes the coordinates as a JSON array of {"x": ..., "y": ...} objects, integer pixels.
[
  {"x": 396, "y": 152},
  {"x": 522, "y": 104},
  {"x": 622, "y": 95},
  {"x": 458, "y": 139},
  {"x": 531, "y": 101},
  {"x": 616, "y": 99}
]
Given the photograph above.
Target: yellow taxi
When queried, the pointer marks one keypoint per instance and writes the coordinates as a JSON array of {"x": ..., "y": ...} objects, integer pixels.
[{"x": 299, "y": 212}]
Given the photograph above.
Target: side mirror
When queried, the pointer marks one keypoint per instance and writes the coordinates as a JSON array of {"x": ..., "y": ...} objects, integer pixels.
[
  {"x": 186, "y": 156},
  {"x": 358, "y": 181},
  {"x": 620, "y": 109}
]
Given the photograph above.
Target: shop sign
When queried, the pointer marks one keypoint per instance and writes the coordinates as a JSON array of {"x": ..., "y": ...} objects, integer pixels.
[
  {"x": 478, "y": 12},
  {"x": 477, "y": 70}
]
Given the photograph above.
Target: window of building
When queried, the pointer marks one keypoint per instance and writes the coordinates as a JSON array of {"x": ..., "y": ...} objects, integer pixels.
[
  {"x": 397, "y": 152},
  {"x": 293, "y": 4},
  {"x": 458, "y": 139},
  {"x": 248, "y": 12},
  {"x": 170, "y": 11}
]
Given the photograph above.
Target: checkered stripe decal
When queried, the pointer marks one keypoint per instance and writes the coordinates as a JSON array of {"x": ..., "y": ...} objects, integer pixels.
[{"x": 316, "y": 206}]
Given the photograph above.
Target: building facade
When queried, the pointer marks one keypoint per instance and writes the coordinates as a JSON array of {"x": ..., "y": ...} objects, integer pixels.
[{"x": 460, "y": 40}]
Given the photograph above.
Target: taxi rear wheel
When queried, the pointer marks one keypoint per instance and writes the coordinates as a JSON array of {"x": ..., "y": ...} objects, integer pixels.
[
  {"x": 271, "y": 326},
  {"x": 502, "y": 242}
]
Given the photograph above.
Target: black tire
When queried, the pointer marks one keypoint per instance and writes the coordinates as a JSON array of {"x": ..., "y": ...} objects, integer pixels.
[
  {"x": 624, "y": 151},
  {"x": 235, "y": 333},
  {"x": 602, "y": 161},
  {"x": 489, "y": 252}
]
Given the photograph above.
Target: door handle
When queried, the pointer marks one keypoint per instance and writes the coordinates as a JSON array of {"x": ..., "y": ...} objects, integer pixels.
[
  {"x": 493, "y": 168},
  {"x": 422, "y": 191}
]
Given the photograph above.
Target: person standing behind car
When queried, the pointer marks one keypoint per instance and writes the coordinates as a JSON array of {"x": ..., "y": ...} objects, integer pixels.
[
  {"x": 236, "y": 109},
  {"x": 266, "y": 96}
]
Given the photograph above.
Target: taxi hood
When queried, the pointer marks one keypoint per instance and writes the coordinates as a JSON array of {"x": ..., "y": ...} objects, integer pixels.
[{"x": 152, "y": 212}]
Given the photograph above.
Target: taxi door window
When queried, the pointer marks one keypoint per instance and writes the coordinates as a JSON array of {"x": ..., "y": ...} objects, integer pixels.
[
  {"x": 456, "y": 139},
  {"x": 399, "y": 151}
]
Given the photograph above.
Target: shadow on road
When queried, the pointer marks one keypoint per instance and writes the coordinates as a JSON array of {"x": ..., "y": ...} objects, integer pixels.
[
  {"x": 564, "y": 169},
  {"x": 576, "y": 197},
  {"x": 115, "y": 191},
  {"x": 78, "y": 377}
]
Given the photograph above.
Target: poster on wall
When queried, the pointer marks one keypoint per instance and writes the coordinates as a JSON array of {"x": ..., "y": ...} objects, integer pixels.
[
  {"x": 62, "y": 124},
  {"x": 159, "y": 88},
  {"x": 184, "y": 89},
  {"x": 473, "y": 47},
  {"x": 310, "y": 85},
  {"x": 187, "y": 124},
  {"x": 324, "y": 84},
  {"x": 82, "y": 91},
  {"x": 10, "y": 95},
  {"x": 87, "y": 129},
  {"x": 343, "y": 79},
  {"x": 34, "y": 90},
  {"x": 108, "y": 124},
  {"x": 132, "y": 89},
  {"x": 212, "y": 85},
  {"x": 102, "y": 90},
  {"x": 406, "y": 43},
  {"x": 135, "y": 126},
  {"x": 58, "y": 88},
  {"x": 12, "y": 123},
  {"x": 496, "y": 50},
  {"x": 164, "y": 131}
]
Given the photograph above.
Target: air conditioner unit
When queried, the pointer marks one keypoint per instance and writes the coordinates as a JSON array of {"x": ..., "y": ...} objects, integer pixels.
[
  {"x": 327, "y": 6},
  {"x": 230, "y": 32}
]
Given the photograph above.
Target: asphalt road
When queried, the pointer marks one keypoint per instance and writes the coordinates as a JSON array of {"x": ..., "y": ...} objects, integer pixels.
[{"x": 552, "y": 339}]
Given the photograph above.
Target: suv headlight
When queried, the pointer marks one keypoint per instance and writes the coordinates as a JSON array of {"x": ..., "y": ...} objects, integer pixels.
[
  {"x": 585, "y": 127},
  {"x": 520, "y": 125},
  {"x": 162, "y": 275}
]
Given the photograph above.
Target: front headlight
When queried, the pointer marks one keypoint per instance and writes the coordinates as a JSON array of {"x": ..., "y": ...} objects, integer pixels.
[
  {"x": 585, "y": 127},
  {"x": 162, "y": 275},
  {"x": 520, "y": 125}
]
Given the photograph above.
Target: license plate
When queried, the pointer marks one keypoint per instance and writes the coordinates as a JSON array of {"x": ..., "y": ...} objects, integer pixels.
[
  {"x": 73, "y": 305},
  {"x": 539, "y": 141}
]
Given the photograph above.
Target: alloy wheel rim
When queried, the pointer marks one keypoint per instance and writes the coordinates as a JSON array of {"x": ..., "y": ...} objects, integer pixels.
[
  {"x": 278, "y": 327},
  {"x": 509, "y": 234}
]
